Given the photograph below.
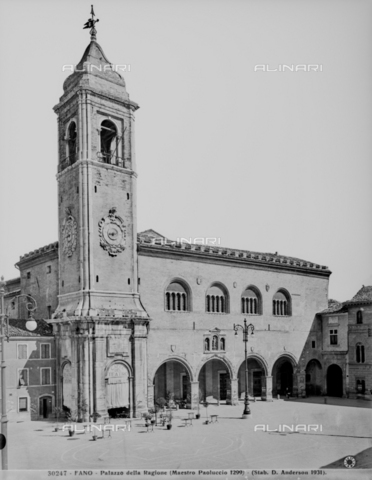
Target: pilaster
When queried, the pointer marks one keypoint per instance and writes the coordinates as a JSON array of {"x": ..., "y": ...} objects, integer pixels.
[
  {"x": 234, "y": 392},
  {"x": 195, "y": 400},
  {"x": 267, "y": 389},
  {"x": 139, "y": 358}
]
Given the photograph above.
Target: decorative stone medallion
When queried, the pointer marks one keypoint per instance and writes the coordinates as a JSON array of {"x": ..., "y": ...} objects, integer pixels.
[
  {"x": 69, "y": 234},
  {"x": 112, "y": 233}
]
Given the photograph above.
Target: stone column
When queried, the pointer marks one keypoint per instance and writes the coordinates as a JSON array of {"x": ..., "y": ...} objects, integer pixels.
[
  {"x": 139, "y": 358},
  {"x": 150, "y": 395},
  {"x": 85, "y": 404},
  {"x": 91, "y": 376},
  {"x": 301, "y": 384},
  {"x": 194, "y": 395},
  {"x": 267, "y": 389},
  {"x": 131, "y": 398},
  {"x": 99, "y": 375},
  {"x": 74, "y": 370},
  {"x": 58, "y": 393},
  {"x": 234, "y": 392}
]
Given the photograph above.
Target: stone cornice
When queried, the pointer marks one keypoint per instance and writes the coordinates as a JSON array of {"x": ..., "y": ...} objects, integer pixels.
[
  {"x": 97, "y": 320},
  {"x": 228, "y": 256},
  {"x": 31, "y": 257},
  {"x": 124, "y": 102},
  {"x": 94, "y": 163}
]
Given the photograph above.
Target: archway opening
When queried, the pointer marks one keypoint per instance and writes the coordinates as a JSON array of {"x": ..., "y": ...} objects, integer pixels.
[
  {"x": 283, "y": 377},
  {"x": 255, "y": 381},
  {"x": 117, "y": 391},
  {"x": 71, "y": 142},
  {"x": 313, "y": 378},
  {"x": 334, "y": 381},
  {"x": 108, "y": 141},
  {"x": 172, "y": 384},
  {"x": 215, "y": 382}
]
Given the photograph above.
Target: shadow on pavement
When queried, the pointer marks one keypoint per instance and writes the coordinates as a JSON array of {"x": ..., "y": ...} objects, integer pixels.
[
  {"x": 341, "y": 402},
  {"x": 363, "y": 460}
]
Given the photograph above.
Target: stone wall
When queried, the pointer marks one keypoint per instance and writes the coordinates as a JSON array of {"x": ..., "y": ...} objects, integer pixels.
[
  {"x": 179, "y": 335},
  {"x": 39, "y": 278}
]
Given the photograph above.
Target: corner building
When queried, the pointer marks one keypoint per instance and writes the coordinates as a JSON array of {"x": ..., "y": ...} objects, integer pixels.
[{"x": 140, "y": 317}]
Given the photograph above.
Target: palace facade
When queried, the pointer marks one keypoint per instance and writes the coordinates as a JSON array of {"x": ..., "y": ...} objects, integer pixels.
[{"x": 136, "y": 317}]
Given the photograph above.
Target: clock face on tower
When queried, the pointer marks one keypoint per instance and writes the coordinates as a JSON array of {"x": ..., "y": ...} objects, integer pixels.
[
  {"x": 69, "y": 233},
  {"x": 112, "y": 233}
]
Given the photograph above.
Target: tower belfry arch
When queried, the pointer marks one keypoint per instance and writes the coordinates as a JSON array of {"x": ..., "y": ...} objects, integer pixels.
[{"x": 99, "y": 319}]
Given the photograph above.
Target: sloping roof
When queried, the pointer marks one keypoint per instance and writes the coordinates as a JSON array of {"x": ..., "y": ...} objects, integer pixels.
[
  {"x": 94, "y": 62},
  {"x": 149, "y": 239},
  {"x": 154, "y": 240},
  {"x": 52, "y": 247},
  {"x": 151, "y": 233},
  {"x": 333, "y": 306},
  {"x": 17, "y": 328},
  {"x": 364, "y": 295},
  {"x": 12, "y": 281}
]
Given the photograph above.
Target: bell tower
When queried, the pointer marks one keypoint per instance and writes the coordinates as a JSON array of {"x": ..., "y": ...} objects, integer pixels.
[{"x": 100, "y": 323}]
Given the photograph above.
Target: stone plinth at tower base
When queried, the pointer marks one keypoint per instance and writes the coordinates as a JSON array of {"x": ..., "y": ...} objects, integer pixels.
[{"x": 100, "y": 367}]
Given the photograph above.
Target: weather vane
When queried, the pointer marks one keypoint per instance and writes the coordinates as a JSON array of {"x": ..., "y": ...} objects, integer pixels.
[{"x": 90, "y": 24}]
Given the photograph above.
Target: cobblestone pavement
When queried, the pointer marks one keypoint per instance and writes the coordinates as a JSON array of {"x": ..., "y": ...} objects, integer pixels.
[{"x": 230, "y": 443}]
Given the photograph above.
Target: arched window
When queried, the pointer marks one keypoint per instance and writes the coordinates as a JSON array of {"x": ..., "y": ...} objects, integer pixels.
[
  {"x": 71, "y": 143},
  {"x": 360, "y": 358},
  {"x": 359, "y": 316},
  {"x": 176, "y": 298},
  {"x": 251, "y": 304},
  {"x": 216, "y": 300},
  {"x": 215, "y": 342},
  {"x": 206, "y": 345},
  {"x": 109, "y": 141},
  {"x": 281, "y": 304},
  {"x": 222, "y": 344}
]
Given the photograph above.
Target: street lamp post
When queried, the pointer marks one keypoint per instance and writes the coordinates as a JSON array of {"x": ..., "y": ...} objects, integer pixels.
[
  {"x": 245, "y": 331},
  {"x": 4, "y": 333}
]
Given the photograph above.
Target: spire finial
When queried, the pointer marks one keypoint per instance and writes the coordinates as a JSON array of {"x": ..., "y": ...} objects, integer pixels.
[{"x": 90, "y": 24}]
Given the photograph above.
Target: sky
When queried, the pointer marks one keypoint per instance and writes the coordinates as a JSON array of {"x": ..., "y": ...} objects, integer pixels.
[{"x": 268, "y": 161}]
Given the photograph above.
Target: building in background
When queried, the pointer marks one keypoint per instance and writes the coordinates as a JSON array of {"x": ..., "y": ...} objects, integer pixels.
[
  {"x": 30, "y": 371},
  {"x": 337, "y": 353}
]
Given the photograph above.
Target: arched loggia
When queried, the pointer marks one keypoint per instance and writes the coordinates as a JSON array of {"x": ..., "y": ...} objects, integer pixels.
[
  {"x": 172, "y": 382},
  {"x": 256, "y": 382},
  {"x": 215, "y": 381},
  {"x": 283, "y": 375}
]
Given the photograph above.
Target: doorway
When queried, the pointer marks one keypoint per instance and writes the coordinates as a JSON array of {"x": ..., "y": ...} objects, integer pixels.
[
  {"x": 334, "y": 381},
  {"x": 45, "y": 407}
]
